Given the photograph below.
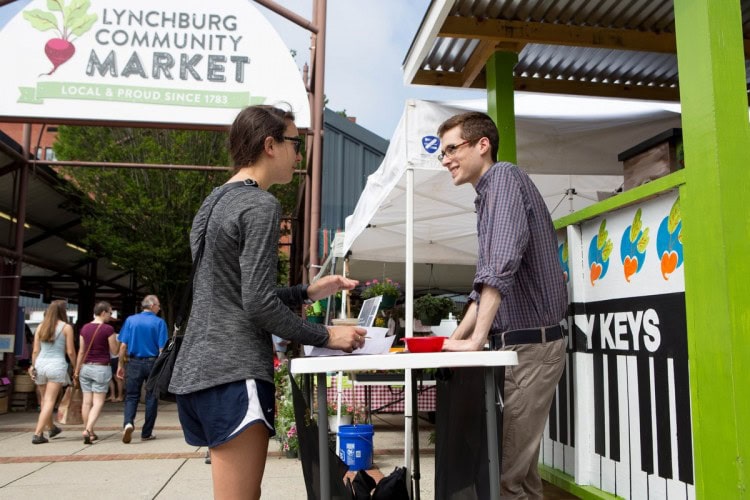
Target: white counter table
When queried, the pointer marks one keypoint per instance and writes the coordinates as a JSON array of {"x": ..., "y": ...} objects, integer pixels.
[{"x": 406, "y": 361}]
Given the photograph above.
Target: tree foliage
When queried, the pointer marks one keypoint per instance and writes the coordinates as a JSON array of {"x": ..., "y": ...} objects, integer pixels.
[{"x": 141, "y": 218}]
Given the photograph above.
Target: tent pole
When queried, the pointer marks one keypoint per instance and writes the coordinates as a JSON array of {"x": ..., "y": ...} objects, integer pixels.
[{"x": 408, "y": 393}]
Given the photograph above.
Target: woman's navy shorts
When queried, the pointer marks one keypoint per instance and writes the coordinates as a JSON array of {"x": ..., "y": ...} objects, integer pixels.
[{"x": 215, "y": 415}]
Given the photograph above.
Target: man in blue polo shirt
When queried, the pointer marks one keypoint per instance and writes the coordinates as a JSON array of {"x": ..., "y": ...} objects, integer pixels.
[{"x": 142, "y": 338}]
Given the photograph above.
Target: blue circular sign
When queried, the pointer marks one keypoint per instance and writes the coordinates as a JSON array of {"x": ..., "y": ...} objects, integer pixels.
[{"x": 430, "y": 143}]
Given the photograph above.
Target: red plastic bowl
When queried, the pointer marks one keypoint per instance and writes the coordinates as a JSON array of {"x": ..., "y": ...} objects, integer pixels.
[{"x": 424, "y": 344}]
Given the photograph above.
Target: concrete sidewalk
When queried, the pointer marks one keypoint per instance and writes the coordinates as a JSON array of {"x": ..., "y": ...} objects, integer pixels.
[{"x": 165, "y": 468}]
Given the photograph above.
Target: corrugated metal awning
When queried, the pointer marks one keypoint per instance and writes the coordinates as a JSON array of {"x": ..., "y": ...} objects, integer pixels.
[
  {"x": 54, "y": 259},
  {"x": 611, "y": 48}
]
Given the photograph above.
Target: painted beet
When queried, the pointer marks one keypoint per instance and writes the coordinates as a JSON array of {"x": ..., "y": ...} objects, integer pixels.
[{"x": 58, "y": 51}]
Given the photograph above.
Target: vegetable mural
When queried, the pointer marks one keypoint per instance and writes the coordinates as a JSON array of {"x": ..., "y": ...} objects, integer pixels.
[
  {"x": 75, "y": 22},
  {"x": 562, "y": 255},
  {"x": 633, "y": 246},
  {"x": 599, "y": 252},
  {"x": 669, "y": 241}
]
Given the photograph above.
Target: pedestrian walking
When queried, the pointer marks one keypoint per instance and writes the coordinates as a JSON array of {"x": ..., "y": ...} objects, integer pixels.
[
  {"x": 93, "y": 370},
  {"x": 142, "y": 338},
  {"x": 49, "y": 369}
]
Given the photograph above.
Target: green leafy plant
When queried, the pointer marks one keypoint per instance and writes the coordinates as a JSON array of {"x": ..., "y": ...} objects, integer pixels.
[
  {"x": 315, "y": 310},
  {"x": 432, "y": 438},
  {"x": 286, "y": 426},
  {"x": 140, "y": 218},
  {"x": 430, "y": 309},
  {"x": 387, "y": 287}
]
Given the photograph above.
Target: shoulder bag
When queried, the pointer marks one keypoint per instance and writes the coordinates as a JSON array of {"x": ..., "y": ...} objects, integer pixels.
[{"x": 158, "y": 380}]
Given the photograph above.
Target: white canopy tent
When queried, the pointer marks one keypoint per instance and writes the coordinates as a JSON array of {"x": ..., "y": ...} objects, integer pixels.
[
  {"x": 410, "y": 211},
  {"x": 569, "y": 145}
]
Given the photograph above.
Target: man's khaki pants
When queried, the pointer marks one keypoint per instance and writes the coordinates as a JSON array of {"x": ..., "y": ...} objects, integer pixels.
[{"x": 529, "y": 387}]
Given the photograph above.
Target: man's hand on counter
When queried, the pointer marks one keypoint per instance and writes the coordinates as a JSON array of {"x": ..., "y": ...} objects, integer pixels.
[{"x": 462, "y": 345}]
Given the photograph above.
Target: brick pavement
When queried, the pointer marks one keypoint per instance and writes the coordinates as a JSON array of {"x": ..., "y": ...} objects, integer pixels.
[
  {"x": 167, "y": 467},
  {"x": 164, "y": 468}
]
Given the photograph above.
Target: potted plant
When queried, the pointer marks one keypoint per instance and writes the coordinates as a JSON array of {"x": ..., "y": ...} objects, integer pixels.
[
  {"x": 388, "y": 288},
  {"x": 346, "y": 416},
  {"x": 286, "y": 427},
  {"x": 350, "y": 414},
  {"x": 314, "y": 313},
  {"x": 430, "y": 309}
]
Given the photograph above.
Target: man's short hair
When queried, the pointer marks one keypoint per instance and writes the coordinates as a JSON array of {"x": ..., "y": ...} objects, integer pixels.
[
  {"x": 148, "y": 301},
  {"x": 474, "y": 125},
  {"x": 248, "y": 134}
]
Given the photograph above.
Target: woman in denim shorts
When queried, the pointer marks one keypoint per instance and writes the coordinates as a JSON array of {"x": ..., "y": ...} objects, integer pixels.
[
  {"x": 98, "y": 341},
  {"x": 49, "y": 369}
]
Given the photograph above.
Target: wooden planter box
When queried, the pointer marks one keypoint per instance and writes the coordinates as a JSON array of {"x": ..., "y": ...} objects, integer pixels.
[{"x": 653, "y": 158}]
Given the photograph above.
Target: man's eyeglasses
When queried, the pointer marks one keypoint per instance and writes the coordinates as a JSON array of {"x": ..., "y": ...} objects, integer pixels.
[
  {"x": 451, "y": 149},
  {"x": 297, "y": 143}
]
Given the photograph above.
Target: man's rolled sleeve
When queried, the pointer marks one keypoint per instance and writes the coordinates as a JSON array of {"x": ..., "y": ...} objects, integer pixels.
[{"x": 502, "y": 284}]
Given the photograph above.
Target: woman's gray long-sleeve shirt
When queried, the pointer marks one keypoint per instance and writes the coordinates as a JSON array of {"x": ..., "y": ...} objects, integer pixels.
[{"x": 236, "y": 304}]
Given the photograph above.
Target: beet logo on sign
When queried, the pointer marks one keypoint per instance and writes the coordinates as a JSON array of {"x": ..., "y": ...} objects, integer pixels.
[{"x": 75, "y": 22}]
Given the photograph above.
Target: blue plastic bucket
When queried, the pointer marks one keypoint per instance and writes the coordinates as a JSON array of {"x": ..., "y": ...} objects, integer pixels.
[{"x": 355, "y": 446}]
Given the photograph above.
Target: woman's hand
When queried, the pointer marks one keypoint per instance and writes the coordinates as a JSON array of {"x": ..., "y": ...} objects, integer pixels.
[
  {"x": 32, "y": 373},
  {"x": 346, "y": 338},
  {"x": 328, "y": 285}
]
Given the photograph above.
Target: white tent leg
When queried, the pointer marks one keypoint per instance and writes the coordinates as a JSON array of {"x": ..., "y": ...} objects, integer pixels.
[{"x": 409, "y": 314}]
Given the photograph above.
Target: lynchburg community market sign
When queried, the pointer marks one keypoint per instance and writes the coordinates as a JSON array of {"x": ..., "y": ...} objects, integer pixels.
[{"x": 143, "y": 61}]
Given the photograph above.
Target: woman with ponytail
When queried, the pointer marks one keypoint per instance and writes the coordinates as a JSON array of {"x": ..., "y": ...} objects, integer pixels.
[{"x": 49, "y": 369}]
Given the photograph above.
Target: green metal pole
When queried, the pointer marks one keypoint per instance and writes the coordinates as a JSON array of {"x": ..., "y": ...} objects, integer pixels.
[
  {"x": 500, "y": 104},
  {"x": 716, "y": 233}
]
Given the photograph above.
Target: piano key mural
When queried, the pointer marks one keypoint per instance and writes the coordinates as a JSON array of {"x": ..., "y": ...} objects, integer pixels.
[{"x": 621, "y": 420}]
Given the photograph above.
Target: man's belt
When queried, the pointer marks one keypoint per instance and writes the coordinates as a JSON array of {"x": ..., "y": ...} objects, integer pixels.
[
  {"x": 144, "y": 358},
  {"x": 527, "y": 336}
]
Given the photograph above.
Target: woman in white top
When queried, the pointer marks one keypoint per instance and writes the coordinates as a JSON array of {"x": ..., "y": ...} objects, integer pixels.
[{"x": 49, "y": 369}]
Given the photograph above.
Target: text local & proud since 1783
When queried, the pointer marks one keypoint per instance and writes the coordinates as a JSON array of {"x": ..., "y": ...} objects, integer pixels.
[{"x": 154, "y": 95}]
